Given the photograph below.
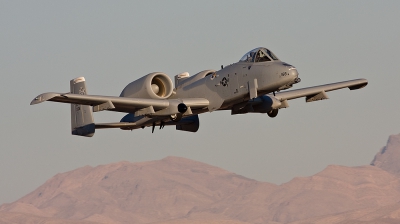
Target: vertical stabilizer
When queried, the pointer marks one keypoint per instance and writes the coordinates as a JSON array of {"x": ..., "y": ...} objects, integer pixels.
[{"x": 82, "y": 123}]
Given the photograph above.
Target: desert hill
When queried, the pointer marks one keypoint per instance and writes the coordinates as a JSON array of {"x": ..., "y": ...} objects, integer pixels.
[
  {"x": 134, "y": 192},
  {"x": 389, "y": 214},
  {"x": 336, "y": 189},
  {"x": 179, "y": 190},
  {"x": 12, "y": 217}
]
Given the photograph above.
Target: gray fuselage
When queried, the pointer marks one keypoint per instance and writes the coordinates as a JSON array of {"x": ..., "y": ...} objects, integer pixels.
[{"x": 233, "y": 84}]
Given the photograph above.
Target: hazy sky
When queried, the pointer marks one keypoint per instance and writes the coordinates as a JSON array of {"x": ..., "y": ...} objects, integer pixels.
[{"x": 44, "y": 44}]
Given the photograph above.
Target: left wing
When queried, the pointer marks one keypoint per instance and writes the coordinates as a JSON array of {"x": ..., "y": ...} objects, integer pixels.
[
  {"x": 147, "y": 111},
  {"x": 318, "y": 92},
  {"x": 123, "y": 104}
]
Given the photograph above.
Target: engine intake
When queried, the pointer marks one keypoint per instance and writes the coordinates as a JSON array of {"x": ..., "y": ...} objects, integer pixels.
[{"x": 155, "y": 85}]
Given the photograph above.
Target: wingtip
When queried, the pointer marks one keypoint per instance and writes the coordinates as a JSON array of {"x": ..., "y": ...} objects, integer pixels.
[
  {"x": 361, "y": 84},
  {"x": 43, "y": 97},
  {"x": 365, "y": 81},
  {"x": 36, "y": 100}
]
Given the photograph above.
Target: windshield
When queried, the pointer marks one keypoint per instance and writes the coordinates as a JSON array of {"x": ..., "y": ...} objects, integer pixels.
[
  {"x": 259, "y": 54},
  {"x": 262, "y": 56},
  {"x": 249, "y": 56},
  {"x": 271, "y": 55}
]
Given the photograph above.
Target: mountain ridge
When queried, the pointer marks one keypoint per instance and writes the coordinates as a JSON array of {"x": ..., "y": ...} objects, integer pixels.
[
  {"x": 388, "y": 156},
  {"x": 180, "y": 190}
]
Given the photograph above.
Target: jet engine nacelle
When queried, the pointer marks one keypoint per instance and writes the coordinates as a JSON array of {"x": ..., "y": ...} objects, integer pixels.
[{"x": 156, "y": 85}]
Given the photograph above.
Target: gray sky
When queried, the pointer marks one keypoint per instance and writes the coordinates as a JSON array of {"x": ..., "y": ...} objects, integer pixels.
[{"x": 44, "y": 44}]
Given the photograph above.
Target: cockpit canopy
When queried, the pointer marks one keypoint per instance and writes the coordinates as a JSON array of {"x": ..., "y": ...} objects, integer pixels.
[{"x": 259, "y": 54}]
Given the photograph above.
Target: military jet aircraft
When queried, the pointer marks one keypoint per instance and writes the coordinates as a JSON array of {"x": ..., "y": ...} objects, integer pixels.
[{"x": 252, "y": 85}]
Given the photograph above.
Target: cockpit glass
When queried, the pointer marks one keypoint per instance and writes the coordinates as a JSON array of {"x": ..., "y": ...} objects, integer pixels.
[
  {"x": 262, "y": 56},
  {"x": 271, "y": 55},
  {"x": 259, "y": 54},
  {"x": 249, "y": 57}
]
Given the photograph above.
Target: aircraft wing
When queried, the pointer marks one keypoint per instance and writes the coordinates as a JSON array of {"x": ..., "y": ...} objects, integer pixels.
[
  {"x": 318, "y": 92},
  {"x": 123, "y": 104}
]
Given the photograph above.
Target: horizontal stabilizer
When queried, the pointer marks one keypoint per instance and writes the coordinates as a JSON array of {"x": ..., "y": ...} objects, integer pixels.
[
  {"x": 125, "y": 125},
  {"x": 130, "y": 122}
]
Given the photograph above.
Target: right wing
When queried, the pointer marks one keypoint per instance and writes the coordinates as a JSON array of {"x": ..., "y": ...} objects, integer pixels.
[{"x": 318, "y": 92}]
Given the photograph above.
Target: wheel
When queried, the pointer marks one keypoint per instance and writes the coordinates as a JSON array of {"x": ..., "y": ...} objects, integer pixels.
[{"x": 273, "y": 113}]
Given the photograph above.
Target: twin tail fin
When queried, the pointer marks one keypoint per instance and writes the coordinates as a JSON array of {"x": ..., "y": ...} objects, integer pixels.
[{"x": 82, "y": 122}]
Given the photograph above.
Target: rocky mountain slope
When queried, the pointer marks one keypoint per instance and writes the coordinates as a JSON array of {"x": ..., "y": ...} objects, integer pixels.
[
  {"x": 388, "y": 158},
  {"x": 179, "y": 190},
  {"x": 12, "y": 217},
  {"x": 133, "y": 192},
  {"x": 389, "y": 214},
  {"x": 335, "y": 189}
]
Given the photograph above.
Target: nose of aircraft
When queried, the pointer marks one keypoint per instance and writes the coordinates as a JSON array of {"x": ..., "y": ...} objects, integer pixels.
[
  {"x": 295, "y": 74},
  {"x": 292, "y": 71}
]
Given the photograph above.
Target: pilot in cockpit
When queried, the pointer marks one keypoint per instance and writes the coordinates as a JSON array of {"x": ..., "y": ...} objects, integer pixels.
[
  {"x": 258, "y": 55},
  {"x": 261, "y": 56}
]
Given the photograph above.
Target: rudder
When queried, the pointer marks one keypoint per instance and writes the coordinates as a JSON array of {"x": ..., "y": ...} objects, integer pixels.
[{"x": 82, "y": 122}]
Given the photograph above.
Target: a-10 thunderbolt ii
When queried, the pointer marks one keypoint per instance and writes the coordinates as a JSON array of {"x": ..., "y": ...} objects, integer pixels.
[{"x": 252, "y": 85}]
